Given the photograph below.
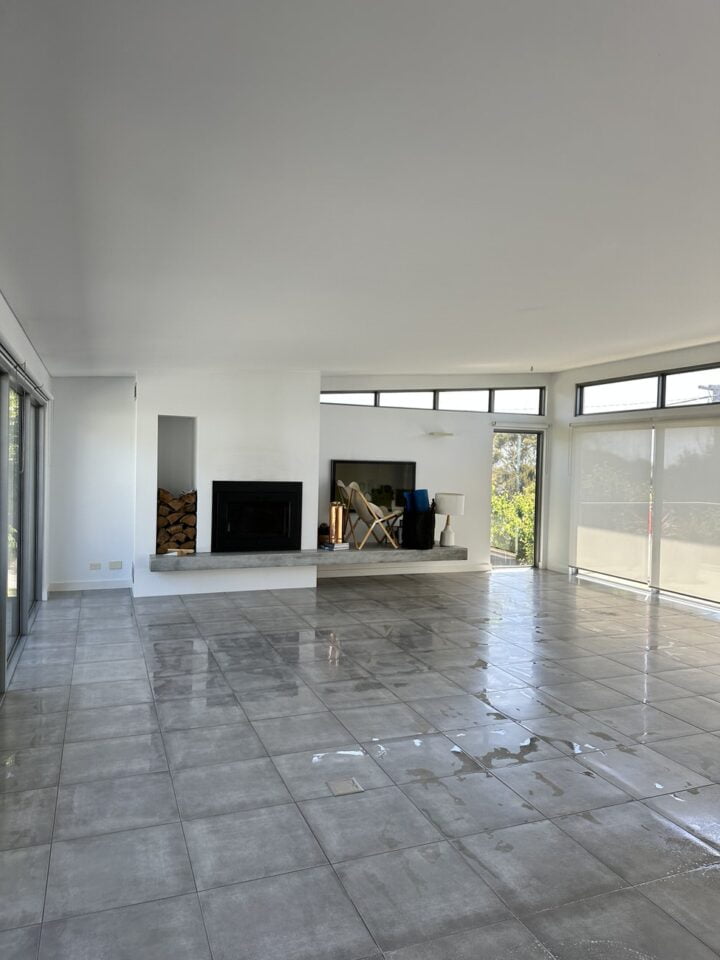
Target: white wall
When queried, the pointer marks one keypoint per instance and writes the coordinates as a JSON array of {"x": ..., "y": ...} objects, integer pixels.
[
  {"x": 561, "y": 411},
  {"x": 461, "y": 463},
  {"x": 253, "y": 426},
  {"x": 92, "y": 481}
]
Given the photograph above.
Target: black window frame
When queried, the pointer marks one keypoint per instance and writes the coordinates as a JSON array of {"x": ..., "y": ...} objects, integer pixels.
[
  {"x": 491, "y": 391},
  {"x": 661, "y": 403}
]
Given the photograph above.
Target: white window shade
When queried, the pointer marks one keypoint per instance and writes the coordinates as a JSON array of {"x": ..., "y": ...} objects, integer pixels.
[
  {"x": 687, "y": 510},
  {"x": 612, "y": 471}
]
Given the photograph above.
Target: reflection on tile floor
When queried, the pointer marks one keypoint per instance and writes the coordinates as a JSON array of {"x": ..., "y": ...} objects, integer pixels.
[{"x": 538, "y": 764}]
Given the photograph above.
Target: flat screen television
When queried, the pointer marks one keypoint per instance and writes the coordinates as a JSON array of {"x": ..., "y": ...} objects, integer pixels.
[{"x": 382, "y": 481}]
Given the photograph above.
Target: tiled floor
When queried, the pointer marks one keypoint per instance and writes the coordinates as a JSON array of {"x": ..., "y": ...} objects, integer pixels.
[{"x": 535, "y": 766}]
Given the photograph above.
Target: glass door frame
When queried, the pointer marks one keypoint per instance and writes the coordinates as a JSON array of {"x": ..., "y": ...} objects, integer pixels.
[
  {"x": 539, "y": 433},
  {"x": 32, "y": 487}
]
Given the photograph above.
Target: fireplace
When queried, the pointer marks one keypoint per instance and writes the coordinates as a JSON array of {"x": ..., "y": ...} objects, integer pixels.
[{"x": 250, "y": 515}]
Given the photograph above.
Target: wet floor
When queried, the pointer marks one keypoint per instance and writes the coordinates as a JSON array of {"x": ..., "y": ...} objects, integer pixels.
[{"x": 504, "y": 766}]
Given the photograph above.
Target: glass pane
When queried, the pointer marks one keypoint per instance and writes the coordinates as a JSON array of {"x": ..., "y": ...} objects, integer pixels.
[
  {"x": 688, "y": 510},
  {"x": 640, "y": 394},
  {"x": 356, "y": 399},
  {"x": 29, "y": 545},
  {"x": 473, "y": 400},
  {"x": 611, "y": 491},
  {"x": 514, "y": 479},
  {"x": 14, "y": 514},
  {"x": 415, "y": 399},
  {"x": 692, "y": 387},
  {"x": 518, "y": 401}
]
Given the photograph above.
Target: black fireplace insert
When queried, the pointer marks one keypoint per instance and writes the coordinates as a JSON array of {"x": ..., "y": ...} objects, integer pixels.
[{"x": 252, "y": 515}]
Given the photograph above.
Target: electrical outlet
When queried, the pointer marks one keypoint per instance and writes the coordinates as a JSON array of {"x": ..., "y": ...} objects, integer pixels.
[
  {"x": 96, "y": 566},
  {"x": 115, "y": 565}
]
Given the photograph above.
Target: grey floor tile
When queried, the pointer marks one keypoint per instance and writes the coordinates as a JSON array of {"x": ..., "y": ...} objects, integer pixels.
[
  {"x": 557, "y": 787},
  {"x": 416, "y": 686},
  {"x": 466, "y": 804},
  {"x": 455, "y": 713},
  {"x": 104, "y": 806},
  {"x": 479, "y": 679},
  {"x": 106, "y": 759},
  {"x": 85, "y": 696},
  {"x": 700, "y": 753},
  {"x": 103, "y": 723},
  {"x": 290, "y": 700},
  {"x": 28, "y": 703},
  {"x": 576, "y": 734},
  {"x": 173, "y": 664},
  {"x": 250, "y": 844},
  {"x": 108, "y": 671},
  {"x": 587, "y": 695},
  {"x": 507, "y": 940},
  {"x": 228, "y": 787},
  {"x": 701, "y": 712},
  {"x": 36, "y": 731},
  {"x": 312, "y": 919},
  {"x": 190, "y": 685},
  {"x": 366, "y": 823},
  {"x": 184, "y": 714},
  {"x": 23, "y": 875},
  {"x": 203, "y": 745},
  {"x": 117, "y": 869},
  {"x": 622, "y": 924},
  {"x": 597, "y": 668},
  {"x": 29, "y": 768},
  {"x": 354, "y": 693},
  {"x": 691, "y": 899},
  {"x": 89, "y": 652},
  {"x": 694, "y": 679},
  {"x": 330, "y": 671},
  {"x": 386, "y": 720},
  {"x": 645, "y": 688},
  {"x": 641, "y": 771},
  {"x": 521, "y": 864},
  {"x": 26, "y": 817},
  {"x": 424, "y": 893},
  {"x": 527, "y": 704},
  {"x": 695, "y": 809},
  {"x": 308, "y": 775},
  {"x": 20, "y": 944},
  {"x": 420, "y": 758},
  {"x": 170, "y": 929},
  {"x": 637, "y": 843},
  {"x": 502, "y": 744},
  {"x": 312, "y": 731},
  {"x": 54, "y": 675},
  {"x": 644, "y": 722}
]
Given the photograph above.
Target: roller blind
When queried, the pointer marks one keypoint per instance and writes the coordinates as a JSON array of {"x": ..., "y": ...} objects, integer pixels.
[
  {"x": 610, "y": 509},
  {"x": 687, "y": 509}
]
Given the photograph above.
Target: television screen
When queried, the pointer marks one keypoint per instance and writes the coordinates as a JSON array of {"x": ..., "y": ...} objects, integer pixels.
[{"x": 382, "y": 481}]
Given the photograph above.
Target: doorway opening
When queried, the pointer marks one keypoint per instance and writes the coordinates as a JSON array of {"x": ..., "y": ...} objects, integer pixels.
[{"x": 515, "y": 513}]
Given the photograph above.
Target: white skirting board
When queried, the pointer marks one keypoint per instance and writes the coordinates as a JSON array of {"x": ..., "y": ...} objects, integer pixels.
[{"x": 67, "y": 585}]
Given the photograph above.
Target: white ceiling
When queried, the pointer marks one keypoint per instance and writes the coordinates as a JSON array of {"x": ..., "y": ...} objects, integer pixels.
[{"x": 359, "y": 185}]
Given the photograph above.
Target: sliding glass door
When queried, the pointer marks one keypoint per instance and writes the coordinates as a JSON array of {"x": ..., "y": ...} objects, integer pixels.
[
  {"x": 14, "y": 519},
  {"x": 22, "y": 420}
]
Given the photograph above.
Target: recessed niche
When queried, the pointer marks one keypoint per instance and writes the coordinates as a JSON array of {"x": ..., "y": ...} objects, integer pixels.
[{"x": 176, "y": 453}]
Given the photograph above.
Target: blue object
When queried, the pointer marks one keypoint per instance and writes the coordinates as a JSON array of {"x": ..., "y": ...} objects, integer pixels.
[
  {"x": 422, "y": 501},
  {"x": 409, "y": 500}
]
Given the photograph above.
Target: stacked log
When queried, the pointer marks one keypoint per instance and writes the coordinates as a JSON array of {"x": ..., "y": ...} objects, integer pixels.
[{"x": 176, "y": 521}]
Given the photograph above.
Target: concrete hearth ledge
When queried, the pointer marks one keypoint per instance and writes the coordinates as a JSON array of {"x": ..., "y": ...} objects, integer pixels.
[{"x": 161, "y": 563}]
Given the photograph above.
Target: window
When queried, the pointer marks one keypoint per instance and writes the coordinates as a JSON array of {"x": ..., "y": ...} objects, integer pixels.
[
  {"x": 475, "y": 401},
  {"x": 518, "y": 401},
  {"x": 414, "y": 399},
  {"x": 355, "y": 399},
  {"x": 692, "y": 387},
  {"x": 638, "y": 394},
  {"x": 672, "y": 388}
]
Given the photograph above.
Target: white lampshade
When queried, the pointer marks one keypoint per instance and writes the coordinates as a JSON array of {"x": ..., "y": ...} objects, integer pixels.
[{"x": 452, "y": 504}]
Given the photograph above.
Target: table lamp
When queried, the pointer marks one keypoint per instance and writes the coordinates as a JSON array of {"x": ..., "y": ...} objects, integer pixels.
[{"x": 452, "y": 505}]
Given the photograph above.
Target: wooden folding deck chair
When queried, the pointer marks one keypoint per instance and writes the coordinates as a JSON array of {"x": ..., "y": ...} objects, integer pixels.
[{"x": 380, "y": 525}]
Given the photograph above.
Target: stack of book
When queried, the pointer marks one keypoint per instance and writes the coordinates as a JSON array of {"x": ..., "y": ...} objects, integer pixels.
[{"x": 334, "y": 546}]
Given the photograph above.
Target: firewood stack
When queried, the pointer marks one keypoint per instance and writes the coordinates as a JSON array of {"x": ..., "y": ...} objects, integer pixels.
[{"x": 176, "y": 521}]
